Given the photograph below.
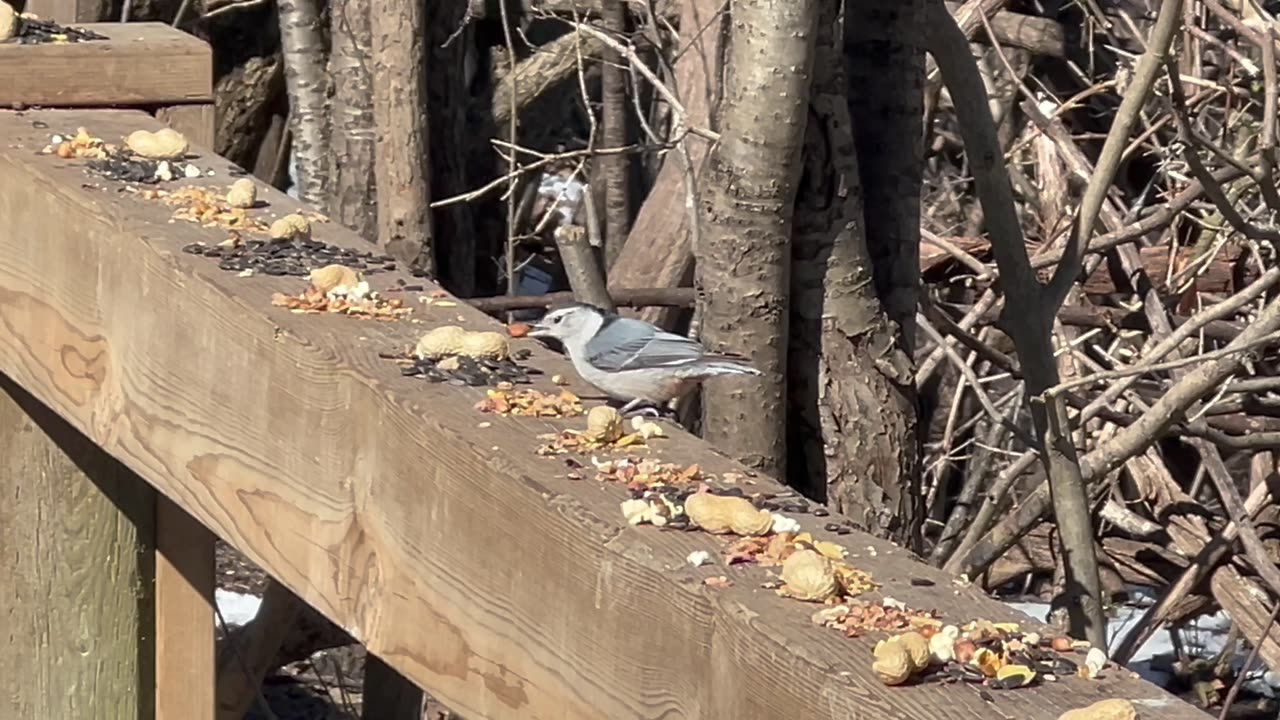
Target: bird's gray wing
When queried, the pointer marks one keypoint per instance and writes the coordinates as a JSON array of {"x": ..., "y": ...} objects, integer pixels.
[{"x": 627, "y": 344}]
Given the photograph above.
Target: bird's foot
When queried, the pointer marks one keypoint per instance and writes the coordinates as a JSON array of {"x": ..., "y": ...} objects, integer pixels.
[{"x": 643, "y": 408}]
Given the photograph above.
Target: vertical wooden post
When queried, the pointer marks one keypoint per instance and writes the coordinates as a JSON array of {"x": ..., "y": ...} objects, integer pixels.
[
  {"x": 76, "y": 564},
  {"x": 186, "y": 667},
  {"x": 196, "y": 121}
]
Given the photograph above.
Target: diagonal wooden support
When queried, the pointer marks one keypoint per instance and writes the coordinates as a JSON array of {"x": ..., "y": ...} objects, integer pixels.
[
  {"x": 435, "y": 535},
  {"x": 184, "y": 618}
]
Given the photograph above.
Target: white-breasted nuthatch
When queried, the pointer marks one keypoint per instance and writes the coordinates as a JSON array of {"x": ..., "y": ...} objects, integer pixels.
[{"x": 631, "y": 360}]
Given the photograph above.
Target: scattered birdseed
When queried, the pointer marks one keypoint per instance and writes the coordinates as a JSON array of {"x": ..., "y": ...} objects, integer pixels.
[
  {"x": 642, "y": 474},
  {"x": 115, "y": 162},
  {"x": 530, "y": 403},
  {"x": 124, "y": 167},
  {"x": 295, "y": 258},
  {"x": 313, "y": 301},
  {"x": 604, "y": 432},
  {"x": 34, "y": 31},
  {"x": 463, "y": 370},
  {"x": 861, "y": 617}
]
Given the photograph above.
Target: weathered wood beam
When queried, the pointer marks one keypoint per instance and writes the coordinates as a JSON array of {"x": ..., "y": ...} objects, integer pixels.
[
  {"x": 77, "y": 532},
  {"x": 435, "y": 535},
  {"x": 140, "y": 64}
]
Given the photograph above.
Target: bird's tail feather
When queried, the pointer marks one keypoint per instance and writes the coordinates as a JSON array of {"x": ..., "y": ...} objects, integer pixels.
[{"x": 723, "y": 364}]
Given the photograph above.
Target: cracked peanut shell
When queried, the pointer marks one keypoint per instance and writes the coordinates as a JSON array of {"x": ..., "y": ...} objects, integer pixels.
[
  {"x": 163, "y": 144},
  {"x": 720, "y": 514}
]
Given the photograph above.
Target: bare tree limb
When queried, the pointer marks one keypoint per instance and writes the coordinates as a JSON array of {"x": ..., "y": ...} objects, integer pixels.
[
  {"x": 1144, "y": 78},
  {"x": 582, "y": 267},
  {"x": 1029, "y": 328}
]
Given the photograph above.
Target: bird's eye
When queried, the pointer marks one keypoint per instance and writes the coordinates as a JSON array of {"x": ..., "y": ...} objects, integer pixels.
[{"x": 557, "y": 320}]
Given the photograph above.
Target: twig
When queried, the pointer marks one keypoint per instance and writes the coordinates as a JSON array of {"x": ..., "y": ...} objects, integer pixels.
[
  {"x": 581, "y": 267},
  {"x": 1128, "y": 442},
  {"x": 622, "y": 297},
  {"x": 1201, "y": 173},
  {"x": 510, "y": 249},
  {"x": 1214, "y": 551},
  {"x": 1234, "y": 505},
  {"x": 1146, "y": 368},
  {"x": 1248, "y": 663},
  {"x": 973, "y": 380},
  {"x": 977, "y": 266},
  {"x": 1029, "y": 327},
  {"x": 1144, "y": 78},
  {"x": 638, "y": 63}
]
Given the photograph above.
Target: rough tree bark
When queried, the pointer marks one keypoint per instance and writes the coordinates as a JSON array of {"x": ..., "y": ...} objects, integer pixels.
[
  {"x": 303, "y": 54},
  {"x": 402, "y": 159},
  {"x": 614, "y": 133},
  {"x": 851, "y": 380},
  {"x": 453, "y": 136},
  {"x": 884, "y": 48},
  {"x": 743, "y": 261},
  {"x": 880, "y": 449},
  {"x": 352, "y": 135}
]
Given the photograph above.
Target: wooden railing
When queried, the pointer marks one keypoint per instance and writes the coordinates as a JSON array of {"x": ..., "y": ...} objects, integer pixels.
[{"x": 152, "y": 400}]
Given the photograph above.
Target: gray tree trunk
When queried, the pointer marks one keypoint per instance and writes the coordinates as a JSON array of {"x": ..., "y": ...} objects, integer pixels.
[
  {"x": 352, "y": 190},
  {"x": 614, "y": 133},
  {"x": 453, "y": 140},
  {"x": 749, "y": 190},
  {"x": 303, "y": 55},
  {"x": 852, "y": 387},
  {"x": 402, "y": 159}
]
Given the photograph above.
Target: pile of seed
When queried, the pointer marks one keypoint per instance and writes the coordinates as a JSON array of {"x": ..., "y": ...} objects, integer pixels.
[
  {"x": 33, "y": 31},
  {"x": 462, "y": 370},
  {"x": 673, "y": 494},
  {"x": 123, "y": 166},
  {"x": 791, "y": 503},
  {"x": 290, "y": 257}
]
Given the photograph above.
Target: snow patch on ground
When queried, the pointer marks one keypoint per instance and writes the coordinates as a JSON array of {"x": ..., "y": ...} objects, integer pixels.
[
  {"x": 236, "y": 608},
  {"x": 293, "y": 176},
  {"x": 1204, "y": 638}
]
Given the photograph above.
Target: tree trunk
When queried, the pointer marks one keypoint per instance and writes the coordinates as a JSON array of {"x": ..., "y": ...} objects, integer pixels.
[
  {"x": 453, "y": 136},
  {"x": 745, "y": 255},
  {"x": 658, "y": 252},
  {"x": 852, "y": 389},
  {"x": 303, "y": 54},
  {"x": 399, "y": 109},
  {"x": 352, "y": 136},
  {"x": 884, "y": 47},
  {"x": 615, "y": 113}
]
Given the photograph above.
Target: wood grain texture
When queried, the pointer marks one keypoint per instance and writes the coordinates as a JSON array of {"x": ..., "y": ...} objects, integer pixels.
[
  {"x": 467, "y": 563},
  {"x": 196, "y": 121},
  {"x": 184, "y": 619},
  {"x": 76, "y": 532},
  {"x": 69, "y": 11},
  {"x": 139, "y": 64}
]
